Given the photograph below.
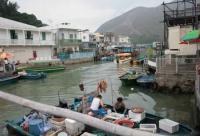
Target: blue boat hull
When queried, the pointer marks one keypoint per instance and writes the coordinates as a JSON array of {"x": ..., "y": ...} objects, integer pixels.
[
  {"x": 34, "y": 76},
  {"x": 9, "y": 80}
]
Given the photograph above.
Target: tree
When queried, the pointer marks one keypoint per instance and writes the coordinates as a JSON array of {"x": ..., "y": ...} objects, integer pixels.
[{"x": 10, "y": 10}]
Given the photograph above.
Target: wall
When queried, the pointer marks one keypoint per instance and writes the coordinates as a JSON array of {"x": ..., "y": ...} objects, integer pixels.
[
  {"x": 85, "y": 36},
  {"x": 174, "y": 39},
  {"x": 24, "y": 54}
]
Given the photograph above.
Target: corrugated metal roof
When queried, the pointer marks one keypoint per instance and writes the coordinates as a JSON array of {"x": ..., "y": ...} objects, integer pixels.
[{"x": 11, "y": 24}]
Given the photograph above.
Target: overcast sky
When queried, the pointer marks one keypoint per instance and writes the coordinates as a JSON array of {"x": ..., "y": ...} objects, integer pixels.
[{"x": 81, "y": 13}]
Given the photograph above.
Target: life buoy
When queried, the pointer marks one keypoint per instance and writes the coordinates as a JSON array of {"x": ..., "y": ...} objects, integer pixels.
[{"x": 125, "y": 122}]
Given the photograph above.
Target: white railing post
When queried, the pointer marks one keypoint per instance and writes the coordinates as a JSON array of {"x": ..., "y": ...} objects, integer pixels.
[
  {"x": 176, "y": 65},
  {"x": 157, "y": 65}
]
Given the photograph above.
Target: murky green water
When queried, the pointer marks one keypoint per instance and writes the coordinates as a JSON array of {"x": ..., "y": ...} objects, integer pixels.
[{"x": 176, "y": 107}]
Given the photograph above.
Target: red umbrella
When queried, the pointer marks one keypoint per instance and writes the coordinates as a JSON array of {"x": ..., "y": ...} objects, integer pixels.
[{"x": 6, "y": 55}]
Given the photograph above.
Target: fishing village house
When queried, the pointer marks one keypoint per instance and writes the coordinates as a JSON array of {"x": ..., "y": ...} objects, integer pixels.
[
  {"x": 68, "y": 39},
  {"x": 25, "y": 42},
  {"x": 176, "y": 69},
  {"x": 88, "y": 42}
]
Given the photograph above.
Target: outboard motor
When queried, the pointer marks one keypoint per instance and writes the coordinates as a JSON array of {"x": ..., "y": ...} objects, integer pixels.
[{"x": 63, "y": 104}]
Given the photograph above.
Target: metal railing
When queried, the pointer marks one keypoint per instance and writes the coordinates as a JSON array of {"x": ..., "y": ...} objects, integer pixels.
[
  {"x": 8, "y": 42},
  {"x": 188, "y": 12},
  {"x": 64, "y": 42},
  {"x": 176, "y": 65}
]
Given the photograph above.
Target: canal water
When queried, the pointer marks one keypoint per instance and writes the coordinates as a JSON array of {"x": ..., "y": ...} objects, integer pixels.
[{"x": 175, "y": 107}]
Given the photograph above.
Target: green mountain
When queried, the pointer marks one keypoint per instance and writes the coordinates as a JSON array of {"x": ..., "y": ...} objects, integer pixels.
[
  {"x": 142, "y": 24},
  {"x": 10, "y": 10}
]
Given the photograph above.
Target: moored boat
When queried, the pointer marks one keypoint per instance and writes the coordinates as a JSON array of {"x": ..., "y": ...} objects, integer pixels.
[
  {"x": 130, "y": 78},
  {"x": 8, "y": 79},
  {"x": 146, "y": 80},
  {"x": 122, "y": 58},
  {"x": 36, "y": 123},
  {"x": 47, "y": 69},
  {"x": 33, "y": 75}
]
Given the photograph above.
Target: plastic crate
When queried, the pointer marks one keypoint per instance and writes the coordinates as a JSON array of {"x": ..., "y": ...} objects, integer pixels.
[{"x": 168, "y": 125}]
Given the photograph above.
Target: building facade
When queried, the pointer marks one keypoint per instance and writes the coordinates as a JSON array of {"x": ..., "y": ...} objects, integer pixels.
[
  {"x": 67, "y": 39},
  {"x": 24, "y": 41}
]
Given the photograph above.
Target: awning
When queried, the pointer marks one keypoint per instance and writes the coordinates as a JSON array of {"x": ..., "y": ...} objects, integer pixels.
[
  {"x": 192, "y": 35},
  {"x": 191, "y": 41}
]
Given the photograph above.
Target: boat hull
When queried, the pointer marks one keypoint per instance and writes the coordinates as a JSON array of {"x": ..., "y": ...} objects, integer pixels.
[
  {"x": 9, "y": 80},
  {"x": 34, "y": 76},
  {"x": 46, "y": 69}
]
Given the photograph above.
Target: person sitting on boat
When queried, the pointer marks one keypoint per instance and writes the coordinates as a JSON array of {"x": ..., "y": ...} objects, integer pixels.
[
  {"x": 119, "y": 106},
  {"x": 96, "y": 104}
]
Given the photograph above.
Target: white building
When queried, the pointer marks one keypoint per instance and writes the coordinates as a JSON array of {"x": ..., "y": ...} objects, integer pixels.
[
  {"x": 174, "y": 39},
  {"x": 24, "y": 41},
  {"x": 122, "y": 39},
  {"x": 67, "y": 37}
]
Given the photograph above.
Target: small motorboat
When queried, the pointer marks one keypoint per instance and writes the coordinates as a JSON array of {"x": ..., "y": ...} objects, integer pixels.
[
  {"x": 130, "y": 77},
  {"x": 146, "y": 80},
  {"x": 33, "y": 75},
  {"x": 8, "y": 79}
]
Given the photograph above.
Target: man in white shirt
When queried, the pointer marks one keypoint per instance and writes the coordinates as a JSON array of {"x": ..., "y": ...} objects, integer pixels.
[{"x": 96, "y": 103}]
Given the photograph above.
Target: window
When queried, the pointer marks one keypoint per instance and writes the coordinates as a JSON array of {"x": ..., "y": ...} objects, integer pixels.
[
  {"x": 43, "y": 36},
  {"x": 75, "y": 36},
  {"x": 71, "y": 36},
  {"x": 29, "y": 35},
  {"x": 13, "y": 34}
]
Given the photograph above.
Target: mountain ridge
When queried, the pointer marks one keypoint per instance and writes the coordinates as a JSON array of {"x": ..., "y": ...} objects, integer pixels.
[{"x": 142, "y": 24}]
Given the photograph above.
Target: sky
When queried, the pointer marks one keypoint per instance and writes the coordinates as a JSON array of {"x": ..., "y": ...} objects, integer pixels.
[{"x": 83, "y": 14}]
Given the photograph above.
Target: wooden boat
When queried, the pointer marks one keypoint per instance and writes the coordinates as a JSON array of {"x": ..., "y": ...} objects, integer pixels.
[
  {"x": 146, "y": 80},
  {"x": 48, "y": 69},
  {"x": 33, "y": 75},
  {"x": 8, "y": 79},
  {"x": 17, "y": 127},
  {"x": 122, "y": 58},
  {"x": 130, "y": 78}
]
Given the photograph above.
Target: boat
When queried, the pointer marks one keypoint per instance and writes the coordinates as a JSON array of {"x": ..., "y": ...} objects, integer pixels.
[
  {"x": 20, "y": 127},
  {"x": 122, "y": 58},
  {"x": 33, "y": 75},
  {"x": 146, "y": 80},
  {"x": 46, "y": 69},
  {"x": 35, "y": 124},
  {"x": 8, "y": 79},
  {"x": 130, "y": 78}
]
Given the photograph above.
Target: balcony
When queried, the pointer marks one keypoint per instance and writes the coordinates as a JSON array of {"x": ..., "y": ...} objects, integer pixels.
[
  {"x": 25, "y": 42},
  {"x": 66, "y": 42}
]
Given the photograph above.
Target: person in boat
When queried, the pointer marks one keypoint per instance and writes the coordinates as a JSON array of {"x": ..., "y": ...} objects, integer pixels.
[
  {"x": 119, "y": 106},
  {"x": 96, "y": 104},
  {"x": 6, "y": 63}
]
